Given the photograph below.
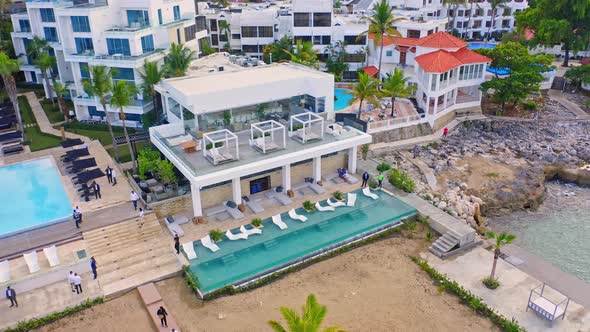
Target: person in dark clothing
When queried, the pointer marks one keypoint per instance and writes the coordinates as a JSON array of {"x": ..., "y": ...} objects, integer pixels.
[
  {"x": 76, "y": 218},
  {"x": 162, "y": 314},
  {"x": 96, "y": 188},
  {"x": 11, "y": 295},
  {"x": 365, "y": 179},
  {"x": 93, "y": 266},
  {"x": 109, "y": 174},
  {"x": 177, "y": 244}
]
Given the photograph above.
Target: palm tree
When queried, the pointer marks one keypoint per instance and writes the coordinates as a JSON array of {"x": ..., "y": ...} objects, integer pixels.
[
  {"x": 494, "y": 4},
  {"x": 381, "y": 25},
  {"x": 365, "y": 89},
  {"x": 4, "y": 5},
  {"x": 151, "y": 74},
  {"x": 45, "y": 63},
  {"x": 310, "y": 321},
  {"x": 100, "y": 85},
  {"x": 61, "y": 90},
  {"x": 304, "y": 54},
  {"x": 501, "y": 239},
  {"x": 224, "y": 29},
  {"x": 178, "y": 60},
  {"x": 466, "y": 28},
  {"x": 8, "y": 67},
  {"x": 36, "y": 47},
  {"x": 396, "y": 86},
  {"x": 451, "y": 19},
  {"x": 123, "y": 96}
]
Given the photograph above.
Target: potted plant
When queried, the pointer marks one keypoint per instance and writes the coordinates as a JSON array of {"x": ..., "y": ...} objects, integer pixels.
[
  {"x": 257, "y": 222},
  {"x": 308, "y": 206},
  {"x": 216, "y": 235},
  {"x": 339, "y": 196}
]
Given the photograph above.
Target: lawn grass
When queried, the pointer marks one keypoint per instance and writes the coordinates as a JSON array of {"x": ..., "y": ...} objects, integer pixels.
[
  {"x": 52, "y": 111},
  {"x": 96, "y": 131},
  {"x": 124, "y": 155},
  {"x": 36, "y": 139}
]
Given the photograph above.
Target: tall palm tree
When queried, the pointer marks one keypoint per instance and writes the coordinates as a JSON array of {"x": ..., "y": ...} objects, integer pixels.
[
  {"x": 36, "y": 47},
  {"x": 45, "y": 63},
  {"x": 8, "y": 67},
  {"x": 495, "y": 5},
  {"x": 310, "y": 320},
  {"x": 396, "y": 86},
  {"x": 61, "y": 90},
  {"x": 151, "y": 74},
  {"x": 178, "y": 60},
  {"x": 225, "y": 29},
  {"x": 304, "y": 54},
  {"x": 123, "y": 96},
  {"x": 451, "y": 19},
  {"x": 381, "y": 25},
  {"x": 100, "y": 85},
  {"x": 466, "y": 27},
  {"x": 501, "y": 239},
  {"x": 365, "y": 89},
  {"x": 4, "y": 5}
]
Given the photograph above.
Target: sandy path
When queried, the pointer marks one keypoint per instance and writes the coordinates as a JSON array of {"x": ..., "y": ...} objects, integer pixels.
[{"x": 374, "y": 288}]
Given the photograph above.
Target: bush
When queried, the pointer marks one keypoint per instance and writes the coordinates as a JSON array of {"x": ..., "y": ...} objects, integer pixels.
[
  {"x": 256, "y": 222},
  {"x": 192, "y": 281},
  {"x": 401, "y": 180},
  {"x": 364, "y": 151},
  {"x": 383, "y": 167},
  {"x": 210, "y": 145},
  {"x": 216, "y": 235},
  {"x": 373, "y": 184},
  {"x": 529, "y": 105},
  {"x": 491, "y": 283},
  {"x": 166, "y": 171},
  {"x": 149, "y": 119},
  {"x": 429, "y": 236},
  {"x": 308, "y": 206},
  {"x": 147, "y": 160},
  {"x": 339, "y": 195}
]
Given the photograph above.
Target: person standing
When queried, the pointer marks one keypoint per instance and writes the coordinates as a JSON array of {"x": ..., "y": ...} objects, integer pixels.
[
  {"x": 78, "y": 283},
  {"x": 11, "y": 295},
  {"x": 445, "y": 132},
  {"x": 380, "y": 179},
  {"x": 76, "y": 218},
  {"x": 162, "y": 314},
  {"x": 96, "y": 187},
  {"x": 109, "y": 174},
  {"x": 71, "y": 281},
  {"x": 141, "y": 214},
  {"x": 177, "y": 244},
  {"x": 134, "y": 198},
  {"x": 93, "y": 266},
  {"x": 114, "y": 176},
  {"x": 365, "y": 179}
]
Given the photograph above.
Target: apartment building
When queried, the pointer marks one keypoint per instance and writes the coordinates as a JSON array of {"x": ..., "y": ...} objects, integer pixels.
[{"x": 117, "y": 34}]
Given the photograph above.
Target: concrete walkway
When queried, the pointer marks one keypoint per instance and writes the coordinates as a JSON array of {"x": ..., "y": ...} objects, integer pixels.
[
  {"x": 572, "y": 107},
  {"x": 426, "y": 171},
  {"x": 512, "y": 297}
]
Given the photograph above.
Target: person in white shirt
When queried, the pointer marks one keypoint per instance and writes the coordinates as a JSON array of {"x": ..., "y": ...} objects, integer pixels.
[
  {"x": 114, "y": 176},
  {"x": 71, "y": 281},
  {"x": 134, "y": 198},
  {"x": 141, "y": 213},
  {"x": 78, "y": 283}
]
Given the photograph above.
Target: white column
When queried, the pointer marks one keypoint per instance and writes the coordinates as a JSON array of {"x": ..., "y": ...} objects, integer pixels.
[
  {"x": 352, "y": 159},
  {"x": 286, "y": 173},
  {"x": 317, "y": 169},
  {"x": 445, "y": 101},
  {"x": 236, "y": 188},
  {"x": 196, "y": 196}
]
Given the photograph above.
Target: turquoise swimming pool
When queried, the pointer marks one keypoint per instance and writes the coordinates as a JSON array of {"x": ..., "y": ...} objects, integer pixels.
[
  {"x": 242, "y": 260},
  {"x": 341, "y": 99},
  {"x": 476, "y": 45},
  {"x": 32, "y": 195}
]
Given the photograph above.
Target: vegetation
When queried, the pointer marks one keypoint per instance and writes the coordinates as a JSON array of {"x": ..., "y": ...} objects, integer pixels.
[
  {"x": 469, "y": 298},
  {"x": 382, "y": 25},
  {"x": 304, "y": 54},
  {"x": 36, "y": 139},
  {"x": 206, "y": 48},
  {"x": 192, "y": 281},
  {"x": 365, "y": 89},
  {"x": 256, "y": 222},
  {"x": 401, "y": 180},
  {"x": 53, "y": 113},
  {"x": 364, "y": 151},
  {"x": 226, "y": 117},
  {"x": 123, "y": 96},
  {"x": 308, "y": 206},
  {"x": 95, "y": 131},
  {"x": 373, "y": 184},
  {"x": 148, "y": 160},
  {"x": 429, "y": 236},
  {"x": 410, "y": 228},
  {"x": 454, "y": 4},
  {"x": 166, "y": 171},
  {"x": 178, "y": 60},
  {"x": 491, "y": 283},
  {"x": 383, "y": 167},
  {"x": 396, "y": 86},
  {"x": 310, "y": 321},
  {"x": 61, "y": 90},
  {"x": 578, "y": 75},
  {"x": 151, "y": 74},
  {"x": 339, "y": 195},
  {"x": 276, "y": 51},
  {"x": 501, "y": 239},
  {"x": 494, "y": 5},
  {"x": 529, "y": 105},
  {"x": 216, "y": 235},
  {"x": 8, "y": 67},
  {"x": 336, "y": 61}
]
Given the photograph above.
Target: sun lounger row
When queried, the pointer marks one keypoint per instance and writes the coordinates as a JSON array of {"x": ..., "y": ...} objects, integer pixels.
[
  {"x": 87, "y": 176},
  {"x": 12, "y": 149},
  {"x": 14, "y": 136},
  {"x": 68, "y": 143},
  {"x": 32, "y": 262}
]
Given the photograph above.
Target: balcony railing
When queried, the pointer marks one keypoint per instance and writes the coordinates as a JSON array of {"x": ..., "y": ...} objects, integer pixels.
[
  {"x": 377, "y": 126},
  {"x": 128, "y": 29}
]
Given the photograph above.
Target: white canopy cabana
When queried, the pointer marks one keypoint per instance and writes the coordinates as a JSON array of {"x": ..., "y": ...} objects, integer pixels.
[
  {"x": 306, "y": 127},
  {"x": 268, "y": 136},
  {"x": 221, "y": 146}
]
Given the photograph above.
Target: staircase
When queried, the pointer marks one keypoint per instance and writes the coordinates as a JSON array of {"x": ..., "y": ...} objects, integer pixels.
[
  {"x": 444, "y": 244},
  {"x": 129, "y": 256}
]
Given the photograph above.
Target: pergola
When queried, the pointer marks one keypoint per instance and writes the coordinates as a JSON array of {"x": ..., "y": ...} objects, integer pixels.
[
  {"x": 306, "y": 127},
  {"x": 268, "y": 136},
  {"x": 221, "y": 146}
]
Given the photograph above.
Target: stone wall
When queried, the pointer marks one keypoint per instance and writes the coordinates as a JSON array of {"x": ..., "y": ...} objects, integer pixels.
[
  {"x": 399, "y": 134},
  {"x": 177, "y": 206}
]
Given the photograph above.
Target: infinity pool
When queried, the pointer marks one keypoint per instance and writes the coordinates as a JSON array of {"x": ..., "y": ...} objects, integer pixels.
[
  {"x": 476, "y": 45},
  {"x": 342, "y": 99},
  {"x": 241, "y": 260},
  {"x": 31, "y": 195}
]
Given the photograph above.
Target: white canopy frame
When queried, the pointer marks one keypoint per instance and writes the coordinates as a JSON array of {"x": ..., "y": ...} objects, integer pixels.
[
  {"x": 221, "y": 146},
  {"x": 306, "y": 127},
  {"x": 268, "y": 136}
]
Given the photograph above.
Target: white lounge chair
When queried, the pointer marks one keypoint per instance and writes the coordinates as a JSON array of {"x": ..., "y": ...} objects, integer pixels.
[
  {"x": 250, "y": 231},
  {"x": 233, "y": 236},
  {"x": 351, "y": 199},
  {"x": 368, "y": 193},
  {"x": 294, "y": 215},
  {"x": 189, "y": 250},
  {"x": 32, "y": 262},
  {"x": 51, "y": 254},
  {"x": 207, "y": 243},
  {"x": 4, "y": 271},
  {"x": 277, "y": 220},
  {"x": 335, "y": 204},
  {"x": 323, "y": 208}
]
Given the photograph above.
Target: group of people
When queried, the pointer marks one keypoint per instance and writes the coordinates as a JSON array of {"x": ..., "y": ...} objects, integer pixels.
[
  {"x": 75, "y": 282},
  {"x": 77, "y": 215},
  {"x": 111, "y": 175},
  {"x": 366, "y": 177}
]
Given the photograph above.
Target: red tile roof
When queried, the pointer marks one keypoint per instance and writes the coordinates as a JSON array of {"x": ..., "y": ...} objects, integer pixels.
[
  {"x": 441, "y": 39},
  {"x": 442, "y": 61},
  {"x": 397, "y": 40},
  {"x": 467, "y": 56},
  {"x": 371, "y": 70}
]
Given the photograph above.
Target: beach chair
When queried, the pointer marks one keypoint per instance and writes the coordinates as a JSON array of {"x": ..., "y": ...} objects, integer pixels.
[
  {"x": 233, "y": 237},
  {"x": 254, "y": 206},
  {"x": 32, "y": 261},
  {"x": 189, "y": 250},
  {"x": 351, "y": 199},
  {"x": 335, "y": 204},
  {"x": 367, "y": 192},
  {"x": 51, "y": 254},
  {"x": 250, "y": 231},
  {"x": 277, "y": 220},
  {"x": 295, "y": 216},
  {"x": 174, "y": 226},
  {"x": 4, "y": 271},
  {"x": 323, "y": 208},
  {"x": 207, "y": 243}
]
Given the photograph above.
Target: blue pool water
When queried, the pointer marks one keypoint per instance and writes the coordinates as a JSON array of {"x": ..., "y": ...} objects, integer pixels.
[
  {"x": 31, "y": 194},
  {"x": 476, "y": 45},
  {"x": 342, "y": 99},
  {"x": 242, "y": 259}
]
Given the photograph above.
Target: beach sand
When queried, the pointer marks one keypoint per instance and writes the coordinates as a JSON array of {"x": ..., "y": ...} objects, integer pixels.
[{"x": 373, "y": 288}]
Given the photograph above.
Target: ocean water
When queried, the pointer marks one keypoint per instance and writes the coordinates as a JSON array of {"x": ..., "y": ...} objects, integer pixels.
[{"x": 559, "y": 231}]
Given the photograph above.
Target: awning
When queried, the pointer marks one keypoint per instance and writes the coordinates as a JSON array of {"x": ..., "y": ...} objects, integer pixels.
[{"x": 371, "y": 70}]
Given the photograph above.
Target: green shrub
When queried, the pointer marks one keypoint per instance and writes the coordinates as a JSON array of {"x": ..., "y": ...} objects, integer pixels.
[
  {"x": 256, "y": 222},
  {"x": 373, "y": 184},
  {"x": 411, "y": 228},
  {"x": 491, "y": 283},
  {"x": 210, "y": 145},
  {"x": 383, "y": 167},
  {"x": 529, "y": 105},
  {"x": 429, "y": 236},
  {"x": 308, "y": 206},
  {"x": 149, "y": 119},
  {"x": 364, "y": 151},
  {"x": 216, "y": 235},
  {"x": 401, "y": 180},
  {"x": 339, "y": 195},
  {"x": 191, "y": 279},
  {"x": 166, "y": 171},
  {"x": 147, "y": 160},
  {"x": 297, "y": 127}
]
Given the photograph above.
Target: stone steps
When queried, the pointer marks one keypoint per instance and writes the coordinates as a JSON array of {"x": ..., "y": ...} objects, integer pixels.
[
  {"x": 112, "y": 244},
  {"x": 155, "y": 274},
  {"x": 139, "y": 254},
  {"x": 121, "y": 228},
  {"x": 445, "y": 243},
  {"x": 138, "y": 266}
]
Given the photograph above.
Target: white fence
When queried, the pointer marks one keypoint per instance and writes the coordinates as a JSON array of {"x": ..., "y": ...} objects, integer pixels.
[{"x": 389, "y": 124}]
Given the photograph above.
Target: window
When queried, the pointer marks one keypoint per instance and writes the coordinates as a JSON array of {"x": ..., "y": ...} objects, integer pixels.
[
  {"x": 235, "y": 36},
  {"x": 178, "y": 36},
  {"x": 124, "y": 74},
  {"x": 322, "y": 19},
  {"x": 118, "y": 46},
  {"x": 84, "y": 70},
  {"x": 138, "y": 18},
  {"x": 80, "y": 24},
  {"x": 92, "y": 111},
  {"x": 249, "y": 32},
  {"x": 388, "y": 53},
  {"x": 413, "y": 33},
  {"x": 355, "y": 40},
  {"x": 84, "y": 45},
  {"x": 301, "y": 19},
  {"x": 25, "y": 25},
  {"x": 213, "y": 25},
  {"x": 317, "y": 40},
  {"x": 223, "y": 38},
  {"x": 250, "y": 48},
  {"x": 265, "y": 32},
  {"x": 160, "y": 20},
  {"x": 326, "y": 40},
  {"x": 189, "y": 32},
  {"x": 50, "y": 34},
  {"x": 147, "y": 43},
  {"x": 176, "y": 10},
  {"x": 47, "y": 15},
  {"x": 214, "y": 40}
]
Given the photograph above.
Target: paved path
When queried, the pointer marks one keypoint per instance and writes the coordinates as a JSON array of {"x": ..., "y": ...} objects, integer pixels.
[
  {"x": 426, "y": 171},
  {"x": 571, "y": 106}
]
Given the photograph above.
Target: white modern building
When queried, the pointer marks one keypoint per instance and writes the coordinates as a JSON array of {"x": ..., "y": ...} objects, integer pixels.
[
  {"x": 117, "y": 34},
  {"x": 239, "y": 129}
]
